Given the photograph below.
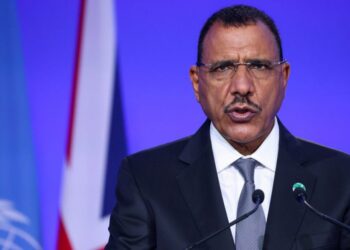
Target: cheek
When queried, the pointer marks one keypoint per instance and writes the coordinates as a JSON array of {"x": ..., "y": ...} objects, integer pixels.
[
  {"x": 213, "y": 98},
  {"x": 271, "y": 99}
]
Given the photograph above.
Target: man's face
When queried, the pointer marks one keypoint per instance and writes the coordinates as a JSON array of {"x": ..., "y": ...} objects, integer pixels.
[{"x": 242, "y": 106}]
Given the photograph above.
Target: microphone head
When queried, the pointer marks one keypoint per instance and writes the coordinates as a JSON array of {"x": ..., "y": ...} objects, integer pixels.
[
  {"x": 258, "y": 196},
  {"x": 299, "y": 191}
]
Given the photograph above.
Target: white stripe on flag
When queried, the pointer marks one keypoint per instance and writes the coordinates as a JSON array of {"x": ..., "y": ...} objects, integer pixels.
[{"x": 83, "y": 184}]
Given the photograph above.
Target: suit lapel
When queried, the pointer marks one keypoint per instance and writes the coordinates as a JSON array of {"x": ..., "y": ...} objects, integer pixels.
[
  {"x": 200, "y": 188},
  {"x": 199, "y": 185},
  {"x": 285, "y": 213}
]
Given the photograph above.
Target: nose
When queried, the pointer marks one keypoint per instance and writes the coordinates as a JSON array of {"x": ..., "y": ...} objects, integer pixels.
[{"x": 242, "y": 82}]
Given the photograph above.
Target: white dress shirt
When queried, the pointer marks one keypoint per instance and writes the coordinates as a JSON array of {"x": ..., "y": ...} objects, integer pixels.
[{"x": 231, "y": 181}]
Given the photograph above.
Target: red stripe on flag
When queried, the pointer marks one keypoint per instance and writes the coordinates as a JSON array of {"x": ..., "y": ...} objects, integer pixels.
[
  {"x": 63, "y": 242},
  {"x": 75, "y": 80}
]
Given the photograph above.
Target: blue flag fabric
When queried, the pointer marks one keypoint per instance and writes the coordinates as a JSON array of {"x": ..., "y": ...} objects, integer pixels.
[{"x": 19, "y": 202}]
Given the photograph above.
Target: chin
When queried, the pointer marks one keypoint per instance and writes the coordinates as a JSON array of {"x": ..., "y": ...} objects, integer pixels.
[
  {"x": 242, "y": 135},
  {"x": 242, "y": 140}
]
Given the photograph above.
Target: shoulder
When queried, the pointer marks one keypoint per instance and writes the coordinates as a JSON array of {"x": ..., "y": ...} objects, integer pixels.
[
  {"x": 174, "y": 152},
  {"x": 318, "y": 151},
  {"x": 311, "y": 153},
  {"x": 321, "y": 157},
  {"x": 168, "y": 151},
  {"x": 157, "y": 161}
]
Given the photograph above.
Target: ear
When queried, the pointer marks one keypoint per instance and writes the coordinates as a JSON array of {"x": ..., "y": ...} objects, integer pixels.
[
  {"x": 195, "y": 80},
  {"x": 285, "y": 73}
]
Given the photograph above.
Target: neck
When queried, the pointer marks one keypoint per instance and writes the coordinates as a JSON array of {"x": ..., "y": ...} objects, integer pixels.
[{"x": 247, "y": 148}]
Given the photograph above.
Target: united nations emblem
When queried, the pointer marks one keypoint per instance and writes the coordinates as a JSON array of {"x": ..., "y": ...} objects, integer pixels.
[{"x": 13, "y": 235}]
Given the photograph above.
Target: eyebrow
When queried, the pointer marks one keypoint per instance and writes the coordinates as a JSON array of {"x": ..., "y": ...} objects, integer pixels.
[
  {"x": 258, "y": 60},
  {"x": 249, "y": 60}
]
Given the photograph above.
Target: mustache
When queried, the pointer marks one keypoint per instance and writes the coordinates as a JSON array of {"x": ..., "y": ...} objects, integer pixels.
[{"x": 239, "y": 99}]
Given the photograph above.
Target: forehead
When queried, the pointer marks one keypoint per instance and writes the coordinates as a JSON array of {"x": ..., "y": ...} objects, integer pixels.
[{"x": 239, "y": 43}]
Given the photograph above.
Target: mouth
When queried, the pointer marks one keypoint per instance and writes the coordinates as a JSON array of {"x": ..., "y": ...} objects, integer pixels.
[{"x": 242, "y": 113}]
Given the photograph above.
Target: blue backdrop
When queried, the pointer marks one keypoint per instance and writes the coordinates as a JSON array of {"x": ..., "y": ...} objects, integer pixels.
[{"x": 157, "y": 43}]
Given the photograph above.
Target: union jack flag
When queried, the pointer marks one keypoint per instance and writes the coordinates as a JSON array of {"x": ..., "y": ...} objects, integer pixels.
[{"x": 96, "y": 140}]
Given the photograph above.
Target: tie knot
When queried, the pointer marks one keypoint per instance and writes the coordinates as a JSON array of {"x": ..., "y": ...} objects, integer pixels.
[{"x": 246, "y": 168}]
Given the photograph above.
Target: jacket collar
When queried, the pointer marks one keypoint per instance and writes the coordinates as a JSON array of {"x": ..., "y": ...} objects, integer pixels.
[
  {"x": 200, "y": 188},
  {"x": 199, "y": 185},
  {"x": 285, "y": 213}
]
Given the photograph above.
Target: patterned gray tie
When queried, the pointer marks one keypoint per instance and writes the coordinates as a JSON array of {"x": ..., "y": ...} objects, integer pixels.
[{"x": 249, "y": 232}]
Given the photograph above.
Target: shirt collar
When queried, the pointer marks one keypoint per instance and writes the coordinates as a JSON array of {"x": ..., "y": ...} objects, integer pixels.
[{"x": 225, "y": 154}]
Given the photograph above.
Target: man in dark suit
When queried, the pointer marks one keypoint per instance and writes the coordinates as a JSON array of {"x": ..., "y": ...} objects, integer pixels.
[{"x": 176, "y": 194}]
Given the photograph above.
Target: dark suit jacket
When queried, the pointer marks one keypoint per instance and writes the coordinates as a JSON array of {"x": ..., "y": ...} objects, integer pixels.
[{"x": 169, "y": 197}]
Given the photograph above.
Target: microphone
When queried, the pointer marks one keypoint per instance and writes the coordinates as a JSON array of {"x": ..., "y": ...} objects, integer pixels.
[
  {"x": 257, "y": 197},
  {"x": 299, "y": 191}
]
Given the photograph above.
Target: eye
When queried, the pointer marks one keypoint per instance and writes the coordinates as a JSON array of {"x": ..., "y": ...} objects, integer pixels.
[
  {"x": 222, "y": 67},
  {"x": 260, "y": 65}
]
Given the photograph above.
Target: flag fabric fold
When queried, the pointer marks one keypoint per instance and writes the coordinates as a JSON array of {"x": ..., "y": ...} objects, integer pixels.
[
  {"x": 19, "y": 198},
  {"x": 83, "y": 217}
]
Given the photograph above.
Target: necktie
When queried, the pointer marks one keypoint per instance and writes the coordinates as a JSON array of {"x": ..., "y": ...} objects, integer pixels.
[{"x": 249, "y": 232}]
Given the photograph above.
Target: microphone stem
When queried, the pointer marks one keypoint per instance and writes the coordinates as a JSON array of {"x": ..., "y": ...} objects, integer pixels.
[
  {"x": 338, "y": 223},
  {"x": 224, "y": 228}
]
